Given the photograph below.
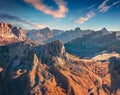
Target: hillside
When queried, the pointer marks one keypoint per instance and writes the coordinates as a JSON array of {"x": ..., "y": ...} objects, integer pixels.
[
  {"x": 91, "y": 45},
  {"x": 49, "y": 69}
]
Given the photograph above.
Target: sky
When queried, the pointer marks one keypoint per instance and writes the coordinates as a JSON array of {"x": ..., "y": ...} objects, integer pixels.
[{"x": 62, "y": 14}]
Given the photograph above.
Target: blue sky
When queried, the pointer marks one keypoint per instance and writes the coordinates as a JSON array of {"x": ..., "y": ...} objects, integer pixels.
[{"x": 62, "y": 14}]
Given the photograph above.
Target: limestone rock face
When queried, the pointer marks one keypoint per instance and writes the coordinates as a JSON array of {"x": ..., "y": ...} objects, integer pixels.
[
  {"x": 53, "y": 52},
  {"x": 10, "y": 34},
  {"x": 4, "y": 29}
]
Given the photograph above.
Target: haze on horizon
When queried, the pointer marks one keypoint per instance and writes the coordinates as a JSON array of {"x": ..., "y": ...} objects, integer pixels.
[{"x": 62, "y": 14}]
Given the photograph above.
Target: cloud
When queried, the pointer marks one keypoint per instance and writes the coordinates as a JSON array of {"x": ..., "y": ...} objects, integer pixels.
[
  {"x": 60, "y": 13},
  {"x": 101, "y": 6},
  {"x": 104, "y": 7},
  {"x": 81, "y": 20},
  {"x": 38, "y": 26},
  {"x": 8, "y": 17},
  {"x": 90, "y": 7}
]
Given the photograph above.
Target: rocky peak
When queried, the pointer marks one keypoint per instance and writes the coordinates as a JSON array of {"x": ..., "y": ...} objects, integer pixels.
[
  {"x": 3, "y": 24},
  {"x": 56, "y": 48},
  {"x": 77, "y": 29},
  {"x": 4, "y": 29},
  {"x": 10, "y": 26},
  {"x": 10, "y": 34},
  {"x": 52, "y": 53},
  {"x": 104, "y": 31},
  {"x": 16, "y": 31},
  {"x": 45, "y": 30}
]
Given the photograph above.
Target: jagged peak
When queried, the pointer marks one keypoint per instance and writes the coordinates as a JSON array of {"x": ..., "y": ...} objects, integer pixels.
[
  {"x": 10, "y": 26},
  {"x": 3, "y": 24},
  {"x": 10, "y": 34},
  {"x": 46, "y": 29},
  {"x": 104, "y": 29},
  {"x": 52, "y": 53},
  {"x": 77, "y": 29},
  {"x": 58, "y": 47},
  {"x": 57, "y": 42}
]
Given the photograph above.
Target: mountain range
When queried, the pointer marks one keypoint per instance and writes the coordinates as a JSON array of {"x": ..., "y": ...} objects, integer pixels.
[
  {"x": 70, "y": 35},
  {"x": 48, "y": 69},
  {"x": 94, "y": 44},
  {"x": 43, "y": 34},
  {"x": 46, "y": 35},
  {"x": 55, "y": 68}
]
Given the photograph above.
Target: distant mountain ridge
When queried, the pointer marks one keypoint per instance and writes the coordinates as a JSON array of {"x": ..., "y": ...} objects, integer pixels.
[
  {"x": 43, "y": 34},
  {"x": 104, "y": 31},
  {"x": 70, "y": 35},
  {"x": 93, "y": 44},
  {"x": 46, "y": 35}
]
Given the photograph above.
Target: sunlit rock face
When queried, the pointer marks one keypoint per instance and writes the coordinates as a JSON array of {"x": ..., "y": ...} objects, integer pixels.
[
  {"x": 49, "y": 70},
  {"x": 10, "y": 34},
  {"x": 25, "y": 69},
  {"x": 4, "y": 29}
]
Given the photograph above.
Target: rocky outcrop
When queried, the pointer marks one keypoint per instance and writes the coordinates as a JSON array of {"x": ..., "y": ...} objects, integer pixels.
[
  {"x": 25, "y": 69},
  {"x": 4, "y": 29},
  {"x": 104, "y": 31},
  {"x": 53, "y": 52},
  {"x": 10, "y": 34}
]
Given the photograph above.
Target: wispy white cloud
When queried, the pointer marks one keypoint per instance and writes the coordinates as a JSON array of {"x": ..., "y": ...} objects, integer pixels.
[
  {"x": 22, "y": 23},
  {"x": 60, "y": 13},
  {"x": 101, "y": 6},
  {"x": 81, "y": 20},
  {"x": 104, "y": 7},
  {"x": 13, "y": 18},
  {"x": 90, "y": 7},
  {"x": 38, "y": 26}
]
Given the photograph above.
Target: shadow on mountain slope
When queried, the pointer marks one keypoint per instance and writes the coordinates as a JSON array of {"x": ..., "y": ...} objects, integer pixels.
[{"x": 114, "y": 70}]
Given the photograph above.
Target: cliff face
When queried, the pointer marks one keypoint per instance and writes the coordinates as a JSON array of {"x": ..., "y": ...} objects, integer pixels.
[
  {"x": 50, "y": 70},
  {"x": 10, "y": 34}
]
